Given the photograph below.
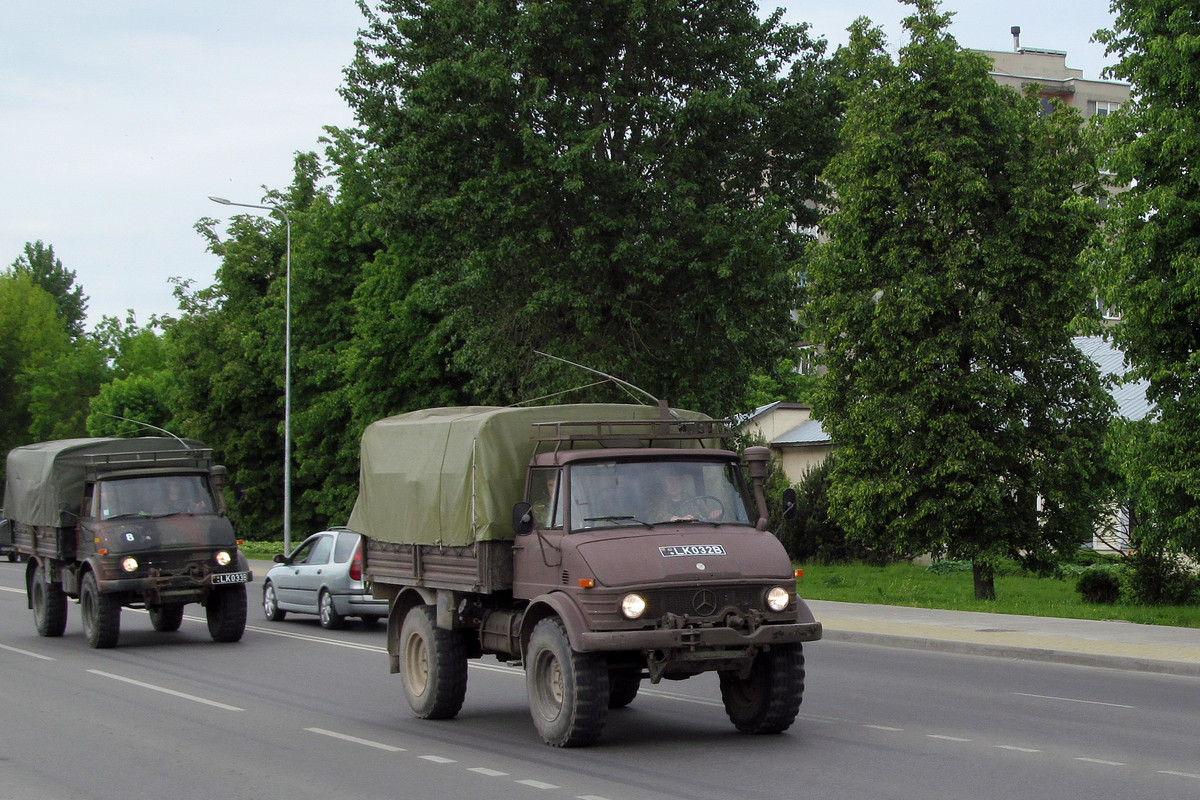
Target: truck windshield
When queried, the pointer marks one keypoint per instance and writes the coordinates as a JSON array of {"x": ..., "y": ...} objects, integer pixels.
[
  {"x": 155, "y": 496},
  {"x": 647, "y": 493}
]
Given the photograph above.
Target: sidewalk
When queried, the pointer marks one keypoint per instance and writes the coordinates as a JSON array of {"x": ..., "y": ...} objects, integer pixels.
[{"x": 1116, "y": 645}]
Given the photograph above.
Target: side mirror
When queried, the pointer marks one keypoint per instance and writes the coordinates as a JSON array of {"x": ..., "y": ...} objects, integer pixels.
[
  {"x": 522, "y": 518},
  {"x": 789, "y": 503},
  {"x": 280, "y": 558}
]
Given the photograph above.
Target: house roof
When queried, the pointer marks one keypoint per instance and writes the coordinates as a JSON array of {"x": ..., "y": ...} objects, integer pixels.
[
  {"x": 1129, "y": 396},
  {"x": 808, "y": 432}
]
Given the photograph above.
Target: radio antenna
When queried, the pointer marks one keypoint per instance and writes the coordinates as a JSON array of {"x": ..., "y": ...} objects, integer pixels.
[
  {"x": 612, "y": 378},
  {"x": 151, "y": 427}
]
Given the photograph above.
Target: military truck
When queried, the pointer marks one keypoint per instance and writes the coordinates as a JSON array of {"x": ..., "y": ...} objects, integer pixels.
[
  {"x": 113, "y": 522},
  {"x": 597, "y": 546}
]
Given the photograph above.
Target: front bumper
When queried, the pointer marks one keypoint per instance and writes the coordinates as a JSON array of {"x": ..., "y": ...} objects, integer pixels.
[{"x": 699, "y": 638}]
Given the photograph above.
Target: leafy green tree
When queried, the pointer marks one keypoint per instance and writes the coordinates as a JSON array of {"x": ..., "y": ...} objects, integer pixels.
[
  {"x": 140, "y": 392},
  {"x": 32, "y": 342},
  {"x": 1150, "y": 257},
  {"x": 967, "y": 422},
  {"x": 39, "y": 263},
  {"x": 620, "y": 183}
]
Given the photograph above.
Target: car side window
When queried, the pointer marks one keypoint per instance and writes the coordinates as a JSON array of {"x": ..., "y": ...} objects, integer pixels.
[
  {"x": 301, "y": 554},
  {"x": 345, "y": 547},
  {"x": 321, "y": 550}
]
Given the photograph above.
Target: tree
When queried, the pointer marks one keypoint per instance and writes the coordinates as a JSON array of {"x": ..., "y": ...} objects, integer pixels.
[
  {"x": 619, "y": 183},
  {"x": 141, "y": 391},
  {"x": 1149, "y": 257},
  {"x": 966, "y": 420},
  {"x": 32, "y": 342},
  {"x": 48, "y": 272}
]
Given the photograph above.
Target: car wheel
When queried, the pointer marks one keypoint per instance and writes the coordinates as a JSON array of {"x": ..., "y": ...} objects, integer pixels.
[
  {"x": 769, "y": 700},
  {"x": 271, "y": 604},
  {"x": 331, "y": 620}
]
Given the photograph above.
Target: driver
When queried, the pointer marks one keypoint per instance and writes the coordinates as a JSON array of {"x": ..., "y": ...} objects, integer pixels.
[{"x": 678, "y": 501}]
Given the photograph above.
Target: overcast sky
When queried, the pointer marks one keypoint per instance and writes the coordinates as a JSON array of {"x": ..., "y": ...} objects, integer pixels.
[{"x": 118, "y": 119}]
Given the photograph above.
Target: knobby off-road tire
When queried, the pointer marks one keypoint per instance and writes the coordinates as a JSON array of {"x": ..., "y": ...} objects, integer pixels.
[
  {"x": 166, "y": 619},
  {"x": 769, "y": 700},
  {"x": 623, "y": 685},
  {"x": 49, "y": 604},
  {"x": 568, "y": 691},
  {"x": 226, "y": 613},
  {"x": 433, "y": 665},
  {"x": 101, "y": 614}
]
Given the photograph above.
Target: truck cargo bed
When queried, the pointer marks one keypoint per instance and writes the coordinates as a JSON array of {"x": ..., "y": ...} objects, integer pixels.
[{"x": 483, "y": 567}]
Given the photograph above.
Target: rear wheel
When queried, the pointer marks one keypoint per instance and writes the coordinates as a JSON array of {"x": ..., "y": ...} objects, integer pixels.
[
  {"x": 49, "y": 604},
  {"x": 166, "y": 618},
  {"x": 623, "y": 685},
  {"x": 331, "y": 620},
  {"x": 769, "y": 699},
  {"x": 226, "y": 613},
  {"x": 271, "y": 603},
  {"x": 433, "y": 664},
  {"x": 568, "y": 691},
  {"x": 101, "y": 614}
]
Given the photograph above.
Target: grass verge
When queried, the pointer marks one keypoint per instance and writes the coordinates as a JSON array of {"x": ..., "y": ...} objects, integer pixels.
[{"x": 915, "y": 586}]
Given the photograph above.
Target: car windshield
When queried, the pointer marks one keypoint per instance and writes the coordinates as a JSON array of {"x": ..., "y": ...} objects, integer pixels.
[
  {"x": 647, "y": 493},
  {"x": 156, "y": 496}
]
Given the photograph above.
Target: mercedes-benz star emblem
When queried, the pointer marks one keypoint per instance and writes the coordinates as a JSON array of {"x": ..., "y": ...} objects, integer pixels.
[{"x": 705, "y": 603}]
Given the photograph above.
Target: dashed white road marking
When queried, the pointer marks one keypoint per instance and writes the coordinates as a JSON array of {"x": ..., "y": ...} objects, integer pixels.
[
  {"x": 354, "y": 739},
  {"x": 883, "y": 728},
  {"x": 1102, "y": 762},
  {"x": 946, "y": 738},
  {"x": 1072, "y": 700},
  {"x": 29, "y": 653},
  {"x": 1017, "y": 749},
  {"x": 164, "y": 690},
  {"x": 538, "y": 784},
  {"x": 439, "y": 759},
  {"x": 491, "y": 773},
  {"x": 1179, "y": 774}
]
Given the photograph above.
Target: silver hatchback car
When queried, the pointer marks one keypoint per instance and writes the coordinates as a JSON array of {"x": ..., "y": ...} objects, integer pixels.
[{"x": 322, "y": 576}]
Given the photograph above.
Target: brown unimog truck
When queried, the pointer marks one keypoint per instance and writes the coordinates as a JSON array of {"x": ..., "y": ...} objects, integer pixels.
[
  {"x": 596, "y": 545},
  {"x": 124, "y": 522}
]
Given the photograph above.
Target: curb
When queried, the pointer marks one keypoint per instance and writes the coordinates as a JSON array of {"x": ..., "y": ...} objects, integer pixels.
[{"x": 1182, "y": 668}]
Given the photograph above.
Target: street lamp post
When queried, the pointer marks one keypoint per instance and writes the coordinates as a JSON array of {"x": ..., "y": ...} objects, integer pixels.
[{"x": 287, "y": 368}]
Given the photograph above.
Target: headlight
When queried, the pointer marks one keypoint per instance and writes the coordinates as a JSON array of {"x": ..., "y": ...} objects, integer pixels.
[
  {"x": 223, "y": 558},
  {"x": 633, "y": 606},
  {"x": 778, "y": 598},
  {"x": 129, "y": 564}
]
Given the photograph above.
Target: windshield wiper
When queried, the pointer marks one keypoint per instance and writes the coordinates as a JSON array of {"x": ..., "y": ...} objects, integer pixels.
[{"x": 617, "y": 518}]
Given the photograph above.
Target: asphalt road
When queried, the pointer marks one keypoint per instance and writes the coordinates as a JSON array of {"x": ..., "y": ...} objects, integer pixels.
[{"x": 296, "y": 712}]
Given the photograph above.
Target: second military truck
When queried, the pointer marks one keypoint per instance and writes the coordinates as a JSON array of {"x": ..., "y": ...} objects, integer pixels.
[
  {"x": 124, "y": 522},
  {"x": 596, "y": 545}
]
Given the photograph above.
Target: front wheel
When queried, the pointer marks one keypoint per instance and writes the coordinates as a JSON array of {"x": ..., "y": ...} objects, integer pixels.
[
  {"x": 433, "y": 664},
  {"x": 271, "y": 604},
  {"x": 568, "y": 691},
  {"x": 769, "y": 699},
  {"x": 49, "y": 603},
  {"x": 226, "y": 613},
  {"x": 101, "y": 614}
]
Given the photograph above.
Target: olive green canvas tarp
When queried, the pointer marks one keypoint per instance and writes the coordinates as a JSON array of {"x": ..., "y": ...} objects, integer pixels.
[
  {"x": 450, "y": 476},
  {"x": 42, "y": 478}
]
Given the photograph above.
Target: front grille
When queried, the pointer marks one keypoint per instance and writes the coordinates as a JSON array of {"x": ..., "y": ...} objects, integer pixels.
[{"x": 703, "y": 601}]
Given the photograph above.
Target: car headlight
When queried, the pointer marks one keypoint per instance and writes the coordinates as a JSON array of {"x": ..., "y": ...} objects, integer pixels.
[
  {"x": 223, "y": 558},
  {"x": 778, "y": 598},
  {"x": 633, "y": 606},
  {"x": 129, "y": 564}
]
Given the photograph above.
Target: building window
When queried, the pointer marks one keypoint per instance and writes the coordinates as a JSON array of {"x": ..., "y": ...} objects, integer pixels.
[{"x": 1102, "y": 108}]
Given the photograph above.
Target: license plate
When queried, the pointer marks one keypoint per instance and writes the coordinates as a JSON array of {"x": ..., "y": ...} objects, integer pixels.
[
  {"x": 230, "y": 577},
  {"x": 675, "y": 551}
]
